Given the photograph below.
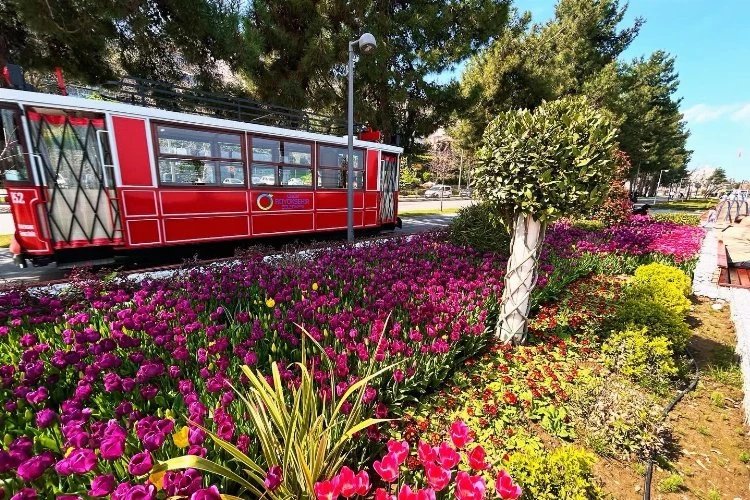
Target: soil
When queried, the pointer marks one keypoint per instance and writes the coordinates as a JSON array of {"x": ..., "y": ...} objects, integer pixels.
[{"x": 711, "y": 448}]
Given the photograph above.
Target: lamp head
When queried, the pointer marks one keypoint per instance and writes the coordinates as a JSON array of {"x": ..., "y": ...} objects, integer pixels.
[{"x": 367, "y": 43}]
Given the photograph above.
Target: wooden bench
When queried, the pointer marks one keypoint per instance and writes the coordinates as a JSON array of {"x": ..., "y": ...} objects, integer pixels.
[{"x": 736, "y": 277}]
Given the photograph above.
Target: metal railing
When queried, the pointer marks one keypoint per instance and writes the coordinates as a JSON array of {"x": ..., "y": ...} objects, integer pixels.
[{"x": 163, "y": 95}]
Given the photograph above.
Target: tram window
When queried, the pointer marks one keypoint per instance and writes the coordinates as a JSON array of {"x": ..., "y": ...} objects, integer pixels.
[
  {"x": 297, "y": 154},
  {"x": 198, "y": 143},
  {"x": 11, "y": 161},
  {"x": 295, "y": 176},
  {"x": 232, "y": 174},
  {"x": 266, "y": 150},
  {"x": 264, "y": 175},
  {"x": 281, "y": 163},
  {"x": 199, "y": 157},
  {"x": 333, "y": 168},
  {"x": 172, "y": 171}
]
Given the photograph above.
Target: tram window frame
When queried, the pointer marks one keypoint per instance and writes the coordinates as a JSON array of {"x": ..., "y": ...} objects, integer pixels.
[
  {"x": 214, "y": 159},
  {"x": 279, "y": 161},
  {"x": 358, "y": 169},
  {"x": 20, "y": 141}
]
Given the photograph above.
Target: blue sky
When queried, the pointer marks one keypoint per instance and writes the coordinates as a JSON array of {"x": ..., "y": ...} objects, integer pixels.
[{"x": 711, "y": 42}]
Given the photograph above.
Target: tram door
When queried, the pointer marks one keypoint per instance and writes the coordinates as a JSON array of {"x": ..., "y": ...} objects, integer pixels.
[
  {"x": 388, "y": 187},
  {"x": 73, "y": 162}
]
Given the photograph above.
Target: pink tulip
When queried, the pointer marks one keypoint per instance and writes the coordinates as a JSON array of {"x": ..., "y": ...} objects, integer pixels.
[
  {"x": 477, "y": 458},
  {"x": 426, "y": 453},
  {"x": 460, "y": 434},
  {"x": 381, "y": 494},
  {"x": 437, "y": 477},
  {"x": 348, "y": 482},
  {"x": 469, "y": 487},
  {"x": 363, "y": 480},
  {"x": 505, "y": 486},
  {"x": 400, "y": 449},
  {"x": 327, "y": 490},
  {"x": 447, "y": 456},
  {"x": 387, "y": 468}
]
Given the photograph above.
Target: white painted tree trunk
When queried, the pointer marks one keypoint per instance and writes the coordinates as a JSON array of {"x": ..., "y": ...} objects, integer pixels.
[{"x": 520, "y": 279}]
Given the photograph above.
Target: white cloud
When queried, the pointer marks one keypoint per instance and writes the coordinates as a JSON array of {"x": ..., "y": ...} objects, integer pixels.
[
  {"x": 703, "y": 113},
  {"x": 742, "y": 114}
]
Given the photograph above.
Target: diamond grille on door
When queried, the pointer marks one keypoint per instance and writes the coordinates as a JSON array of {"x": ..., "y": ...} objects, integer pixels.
[
  {"x": 388, "y": 184},
  {"x": 74, "y": 163}
]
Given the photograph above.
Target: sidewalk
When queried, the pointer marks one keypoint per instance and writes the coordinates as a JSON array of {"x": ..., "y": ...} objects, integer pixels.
[{"x": 705, "y": 284}]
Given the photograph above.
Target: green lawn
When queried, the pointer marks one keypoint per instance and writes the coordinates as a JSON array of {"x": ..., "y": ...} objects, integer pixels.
[
  {"x": 5, "y": 240},
  {"x": 689, "y": 204},
  {"x": 429, "y": 211}
]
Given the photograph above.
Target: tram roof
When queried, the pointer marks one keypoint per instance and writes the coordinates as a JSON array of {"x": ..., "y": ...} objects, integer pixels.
[{"x": 38, "y": 99}]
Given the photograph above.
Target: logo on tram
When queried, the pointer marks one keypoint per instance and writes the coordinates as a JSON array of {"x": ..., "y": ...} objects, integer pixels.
[{"x": 265, "y": 201}]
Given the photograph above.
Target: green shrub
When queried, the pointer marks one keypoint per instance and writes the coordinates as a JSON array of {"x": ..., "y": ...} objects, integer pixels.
[
  {"x": 478, "y": 228},
  {"x": 616, "y": 420},
  {"x": 566, "y": 472},
  {"x": 660, "y": 321},
  {"x": 645, "y": 359},
  {"x": 659, "y": 274},
  {"x": 588, "y": 224},
  {"x": 665, "y": 295},
  {"x": 681, "y": 219},
  {"x": 671, "y": 484}
]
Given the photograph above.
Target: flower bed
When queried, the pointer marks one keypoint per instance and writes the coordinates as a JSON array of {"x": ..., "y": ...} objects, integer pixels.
[{"x": 98, "y": 383}]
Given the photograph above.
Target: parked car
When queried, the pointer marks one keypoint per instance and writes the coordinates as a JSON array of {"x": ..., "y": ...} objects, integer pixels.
[
  {"x": 465, "y": 193},
  {"x": 436, "y": 190}
]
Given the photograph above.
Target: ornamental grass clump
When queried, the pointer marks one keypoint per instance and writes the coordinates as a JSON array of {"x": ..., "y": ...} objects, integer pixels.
[{"x": 303, "y": 437}]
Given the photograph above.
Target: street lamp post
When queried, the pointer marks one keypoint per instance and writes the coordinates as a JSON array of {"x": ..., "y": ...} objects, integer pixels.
[
  {"x": 366, "y": 44},
  {"x": 658, "y": 183}
]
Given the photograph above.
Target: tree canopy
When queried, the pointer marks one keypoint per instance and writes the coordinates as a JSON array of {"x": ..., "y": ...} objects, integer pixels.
[
  {"x": 97, "y": 40},
  {"x": 579, "y": 52},
  {"x": 554, "y": 161}
]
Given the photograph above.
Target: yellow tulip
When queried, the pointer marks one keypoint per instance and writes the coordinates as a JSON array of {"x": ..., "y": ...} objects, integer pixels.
[
  {"x": 157, "y": 479},
  {"x": 180, "y": 437},
  {"x": 314, "y": 286},
  {"x": 270, "y": 303}
]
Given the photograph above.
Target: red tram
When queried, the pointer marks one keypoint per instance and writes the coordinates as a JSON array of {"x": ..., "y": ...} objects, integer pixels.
[{"x": 90, "y": 178}]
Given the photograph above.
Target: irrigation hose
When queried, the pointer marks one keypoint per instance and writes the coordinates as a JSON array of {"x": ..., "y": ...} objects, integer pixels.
[{"x": 667, "y": 409}]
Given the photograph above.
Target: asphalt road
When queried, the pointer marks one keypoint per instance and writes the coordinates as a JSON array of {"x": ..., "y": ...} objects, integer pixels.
[{"x": 10, "y": 273}]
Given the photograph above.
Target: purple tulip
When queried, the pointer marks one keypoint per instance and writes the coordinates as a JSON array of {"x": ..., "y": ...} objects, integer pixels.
[
  {"x": 211, "y": 493},
  {"x": 112, "y": 448},
  {"x": 140, "y": 463},
  {"x": 102, "y": 485},
  {"x": 34, "y": 467},
  {"x": 45, "y": 418},
  {"x": 25, "y": 494},
  {"x": 182, "y": 483},
  {"x": 81, "y": 461},
  {"x": 273, "y": 478}
]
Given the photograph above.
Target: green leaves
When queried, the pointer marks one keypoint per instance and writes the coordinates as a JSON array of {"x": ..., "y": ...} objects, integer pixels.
[
  {"x": 304, "y": 435},
  {"x": 555, "y": 161}
]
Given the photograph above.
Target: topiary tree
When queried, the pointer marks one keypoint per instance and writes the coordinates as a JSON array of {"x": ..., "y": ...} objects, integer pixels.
[{"x": 533, "y": 168}]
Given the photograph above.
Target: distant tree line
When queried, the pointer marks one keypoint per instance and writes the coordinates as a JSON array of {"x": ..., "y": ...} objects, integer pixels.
[{"x": 294, "y": 53}]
